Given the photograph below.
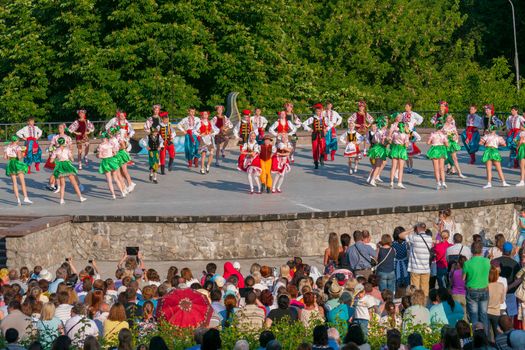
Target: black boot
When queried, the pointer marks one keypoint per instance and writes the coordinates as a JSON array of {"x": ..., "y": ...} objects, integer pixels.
[
  {"x": 316, "y": 165},
  {"x": 321, "y": 160},
  {"x": 263, "y": 186},
  {"x": 170, "y": 164},
  {"x": 163, "y": 170}
]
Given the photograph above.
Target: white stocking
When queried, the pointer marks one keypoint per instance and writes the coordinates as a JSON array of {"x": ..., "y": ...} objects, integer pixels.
[
  {"x": 281, "y": 180},
  {"x": 258, "y": 182},
  {"x": 276, "y": 181},
  {"x": 250, "y": 180}
]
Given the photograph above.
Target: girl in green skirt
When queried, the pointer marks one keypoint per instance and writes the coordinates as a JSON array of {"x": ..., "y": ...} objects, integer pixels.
[
  {"x": 63, "y": 157},
  {"x": 378, "y": 152},
  {"x": 109, "y": 165},
  {"x": 438, "y": 142},
  {"x": 491, "y": 156},
  {"x": 123, "y": 157},
  {"x": 16, "y": 169},
  {"x": 398, "y": 152},
  {"x": 453, "y": 146}
]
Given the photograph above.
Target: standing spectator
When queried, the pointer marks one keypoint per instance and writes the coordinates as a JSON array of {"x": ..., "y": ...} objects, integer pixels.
[
  {"x": 250, "y": 317},
  {"x": 445, "y": 223},
  {"x": 401, "y": 262},
  {"x": 364, "y": 305},
  {"x": 457, "y": 283},
  {"x": 115, "y": 322},
  {"x": 360, "y": 256},
  {"x": 385, "y": 268},
  {"x": 49, "y": 327},
  {"x": 457, "y": 249},
  {"x": 476, "y": 272},
  {"x": 521, "y": 237},
  {"x": 331, "y": 254},
  {"x": 496, "y": 298},
  {"x": 440, "y": 249},
  {"x": 17, "y": 320},
  {"x": 345, "y": 243},
  {"x": 508, "y": 269},
  {"x": 420, "y": 244},
  {"x": 497, "y": 250},
  {"x": 78, "y": 327}
]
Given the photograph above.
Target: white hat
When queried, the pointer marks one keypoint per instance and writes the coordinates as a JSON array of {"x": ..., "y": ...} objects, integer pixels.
[
  {"x": 46, "y": 275},
  {"x": 358, "y": 288},
  {"x": 219, "y": 281},
  {"x": 237, "y": 265}
]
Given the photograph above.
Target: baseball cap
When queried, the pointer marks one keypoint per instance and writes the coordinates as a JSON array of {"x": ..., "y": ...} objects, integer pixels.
[{"x": 507, "y": 247}]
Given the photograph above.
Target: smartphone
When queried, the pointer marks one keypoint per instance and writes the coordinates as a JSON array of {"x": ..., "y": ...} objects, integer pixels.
[
  {"x": 132, "y": 250},
  {"x": 67, "y": 259},
  {"x": 90, "y": 261}
]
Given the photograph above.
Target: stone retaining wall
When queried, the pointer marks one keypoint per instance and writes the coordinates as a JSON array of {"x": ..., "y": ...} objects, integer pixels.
[{"x": 251, "y": 237}]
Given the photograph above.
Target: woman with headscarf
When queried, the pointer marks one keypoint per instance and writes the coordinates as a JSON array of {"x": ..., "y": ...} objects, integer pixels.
[{"x": 229, "y": 271}]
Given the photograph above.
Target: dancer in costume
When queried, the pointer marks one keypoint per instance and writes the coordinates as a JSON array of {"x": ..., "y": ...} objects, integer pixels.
[
  {"x": 154, "y": 143},
  {"x": 120, "y": 143},
  {"x": 249, "y": 161},
  {"x": 15, "y": 169},
  {"x": 491, "y": 156},
  {"x": 450, "y": 130},
  {"x": 266, "y": 155},
  {"x": 30, "y": 134},
  {"x": 122, "y": 124},
  {"x": 320, "y": 126},
  {"x": 351, "y": 138},
  {"x": 81, "y": 128},
  {"x": 154, "y": 121},
  {"x": 439, "y": 117},
  {"x": 520, "y": 144},
  {"x": 243, "y": 128},
  {"x": 191, "y": 144},
  {"x": 53, "y": 145},
  {"x": 362, "y": 121},
  {"x": 206, "y": 131},
  {"x": 412, "y": 150},
  {"x": 167, "y": 132},
  {"x": 333, "y": 118},
  {"x": 109, "y": 164},
  {"x": 259, "y": 123},
  {"x": 470, "y": 136},
  {"x": 63, "y": 158},
  {"x": 281, "y": 164},
  {"x": 490, "y": 118},
  {"x": 225, "y": 127},
  {"x": 296, "y": 121},
  {"x": 439, "y": 142},
  {"x": 514, "y": 124},
  {"x": 398, "y": 153},
  {"x": 282, "y": 126},
  {"x": 378, "y": 152},
  {"x": 411, "y": 118}
]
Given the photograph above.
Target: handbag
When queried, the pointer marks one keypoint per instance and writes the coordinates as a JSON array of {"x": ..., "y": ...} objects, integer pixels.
[
  {"x": 431, "y": 252},
  {"x": 372, "y": 261}
]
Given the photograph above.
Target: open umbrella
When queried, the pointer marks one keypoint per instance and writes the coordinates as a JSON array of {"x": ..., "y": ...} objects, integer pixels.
[{"x": 185, "y": 308}]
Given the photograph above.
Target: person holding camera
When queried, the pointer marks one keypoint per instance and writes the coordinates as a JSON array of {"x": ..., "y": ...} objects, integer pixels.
[
  {"x": 420, "y": 256},
  {"x": 361, "y": 257}
]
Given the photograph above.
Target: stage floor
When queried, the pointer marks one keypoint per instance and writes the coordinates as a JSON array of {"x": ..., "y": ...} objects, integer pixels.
[{"x": 224, "y": 191}]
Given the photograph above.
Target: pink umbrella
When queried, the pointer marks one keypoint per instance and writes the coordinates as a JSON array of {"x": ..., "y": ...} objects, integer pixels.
[{"x": 185, "y": 308}]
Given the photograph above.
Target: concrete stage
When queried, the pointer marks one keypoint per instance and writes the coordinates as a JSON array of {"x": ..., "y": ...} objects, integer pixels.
[{"x": 224, "y": 191}]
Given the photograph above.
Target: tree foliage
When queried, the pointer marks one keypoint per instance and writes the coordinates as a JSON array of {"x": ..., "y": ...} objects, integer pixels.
[{"x": 58, "y": 55}]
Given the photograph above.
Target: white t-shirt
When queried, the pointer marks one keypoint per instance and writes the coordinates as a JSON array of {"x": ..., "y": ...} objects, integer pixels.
[
  {"x": 78, "y": 328},
  {"x": 362, "y": 306}
]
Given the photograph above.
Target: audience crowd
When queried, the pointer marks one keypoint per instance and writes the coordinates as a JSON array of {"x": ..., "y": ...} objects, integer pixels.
[{"x": 419, "y": 288}]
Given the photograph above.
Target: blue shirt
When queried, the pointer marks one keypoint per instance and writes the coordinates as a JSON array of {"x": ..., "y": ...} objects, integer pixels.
[
  {"x": 53, "y": 286},
  {"x": 341, "y": 313},
  {"x": 359, "y": 256}
]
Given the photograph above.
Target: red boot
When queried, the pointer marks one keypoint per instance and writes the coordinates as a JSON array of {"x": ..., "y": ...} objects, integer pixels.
[
  {"x": 472, "y": 158},
  {"x": 332, "y": 155},
  {"x": 189, "y": 163},
  {"x": 516, "y": 165},
  {"x": 195, "y": 162},
  {"x": 37, "y": 166},
  {"x": 29, "y": 170}
]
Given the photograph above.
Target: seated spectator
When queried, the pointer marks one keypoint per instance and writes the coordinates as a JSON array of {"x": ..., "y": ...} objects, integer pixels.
[
  {"x": 391, "y": 319},
  {"x": 264, "y": 338},
  {"x": 447, "y": 311},
  {"x": 274, "y": 345},
  {"x": 157, "y": 343},
  {"x": 311, "y": 312},
  {"x": 417, "y": 313},
  {"x": 115, "y": 322},
  {"x": 211, "y": 340},
  {"x": 283, "y": 311},
  {"x": 11, "y": 338},
  {"x": 78, "y": 327},
  {"x": 250, "y": 317},
  {"x": 17, "y": 320},
  {"x": 334, "y": 339},
  {"x": 465, "y": 336},
  {"x": 356, "y": 335},
  {"x": 415, "y": 342},
  {"x": 49, "y": 327},
  {"x": 230, "y": 304},
  {"x": 321, "y": 338}
]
